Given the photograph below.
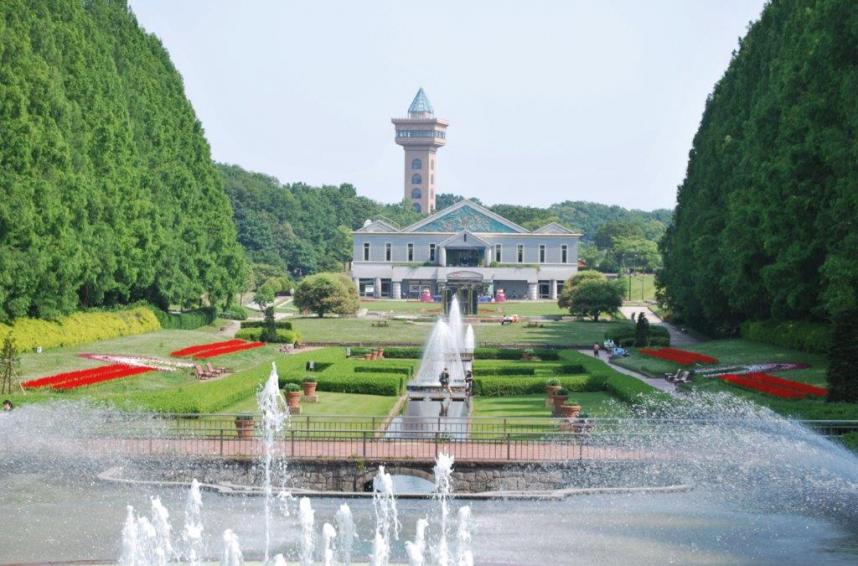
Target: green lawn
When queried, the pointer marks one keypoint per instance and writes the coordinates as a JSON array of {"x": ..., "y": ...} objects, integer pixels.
[
  {"x": 739, "y": 351},
  {"x": 358, "y": 330},
  {"x": 596, "y": 404},
  {"x": 521, "y": 308},
  {"x": 344, "y": 404}
]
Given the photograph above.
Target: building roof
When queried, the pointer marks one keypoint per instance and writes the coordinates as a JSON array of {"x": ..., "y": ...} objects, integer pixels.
[
  {"x": 465, "y": 215},
  {"x": 420, "y": 104},
  {"x": 378, "y": 225},
  {"x": 553, "y": 228}
]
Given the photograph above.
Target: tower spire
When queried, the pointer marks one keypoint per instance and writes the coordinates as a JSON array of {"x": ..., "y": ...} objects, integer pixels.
[{"x": 420, "y": 135}]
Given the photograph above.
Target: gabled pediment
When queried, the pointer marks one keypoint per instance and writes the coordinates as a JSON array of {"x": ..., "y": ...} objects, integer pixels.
[
  {"x": 378, "y": 225},
  {"x": 554, "y": 228},
  {"x": 468, "y": 216},
  {"x": 464, "y": 240}
]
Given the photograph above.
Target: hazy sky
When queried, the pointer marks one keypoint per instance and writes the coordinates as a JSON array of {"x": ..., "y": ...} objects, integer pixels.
[{"x": 547, "y": 101}]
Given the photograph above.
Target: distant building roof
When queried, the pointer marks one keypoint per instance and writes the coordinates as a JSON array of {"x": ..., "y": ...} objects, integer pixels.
[{"x": 420, "y": 104}]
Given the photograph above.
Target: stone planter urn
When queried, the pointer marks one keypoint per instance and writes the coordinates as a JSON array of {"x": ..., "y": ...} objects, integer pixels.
[
  {"x": 293, "y": 400},
  {"x": 559, "y": 400},
  {"x": 570, "y": 411},
  {"x": 309, "y": 391},
  {"x": 550, "y": 391},
  {"x": 244, "y": 426}
]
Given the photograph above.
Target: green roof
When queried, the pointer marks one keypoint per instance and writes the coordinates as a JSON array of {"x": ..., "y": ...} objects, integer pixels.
[{"x": 420, "y": 104}]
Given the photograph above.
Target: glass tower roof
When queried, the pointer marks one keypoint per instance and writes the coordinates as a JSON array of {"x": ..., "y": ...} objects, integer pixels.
[{"x": 420, "y": 104}]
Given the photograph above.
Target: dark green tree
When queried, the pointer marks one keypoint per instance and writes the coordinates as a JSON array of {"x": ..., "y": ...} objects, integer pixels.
[
  {"x": 269, "y": 328},
  {"x": 593, "y": 297},
  {"x": 843, "y": 358},
  {"x": 10, "y": 364},
  {"x": 326, "y": 293},
  {"x": 642, "y": 331}
]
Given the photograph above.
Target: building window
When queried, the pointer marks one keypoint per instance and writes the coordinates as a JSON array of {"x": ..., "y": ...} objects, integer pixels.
[
  {"x": 366, "y": 251},
  {"x": 432, "y": 179},
  {"x": 541, "y": 253},
  {"x": 498, "y": 252},
  {"x": 417, "y": 207},
  {"x": 432, "y": 164},
  {"x": 416, "y": 179},
  {"x": 431, "y": 252},
  {"x": 416, "y": 164},
  {"x": 519, "y": 250},
  {"x": 416, "y": 193},
  {"x": 410, "y": 252},
  {"x": 388, "y": 252},
  {"x": 564, "y": 251}
]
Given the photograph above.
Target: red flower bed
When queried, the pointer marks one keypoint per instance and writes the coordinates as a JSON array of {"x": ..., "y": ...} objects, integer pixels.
[
  {"x": 774, "y": 386},
  {"x": 227, "y": 350},
  {"x": 79, "y": 378},
  {"x": 681, "y": 357},
  {"x": 191, "y": 350}
]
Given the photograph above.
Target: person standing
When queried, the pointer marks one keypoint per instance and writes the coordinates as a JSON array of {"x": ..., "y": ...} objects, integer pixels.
[
  {"x": 596, "y": 350},
  {"x": 444, "y": 378}
]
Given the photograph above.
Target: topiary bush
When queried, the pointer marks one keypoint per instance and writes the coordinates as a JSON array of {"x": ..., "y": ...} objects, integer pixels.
[
  {"x": 278, "y": 324},
  {"x": 280, "y": 337},
  {"x": 188, "y": 320}
]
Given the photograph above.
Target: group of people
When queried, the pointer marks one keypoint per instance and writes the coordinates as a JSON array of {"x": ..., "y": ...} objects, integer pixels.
[
  {"x": 444, "y": 379},
  {"x": 610, "y": 349},
  {"x": 7, "y": 405}
]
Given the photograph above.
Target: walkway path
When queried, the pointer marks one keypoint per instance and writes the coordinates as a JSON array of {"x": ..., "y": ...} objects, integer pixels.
[
  {"x": 659, "y": 384},
  {"x": 677, "y": 336}
]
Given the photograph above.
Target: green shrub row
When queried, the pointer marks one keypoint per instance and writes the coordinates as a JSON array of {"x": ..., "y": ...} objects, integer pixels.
[
  {"x": 627, "y": 388},
  {"x": 396, "y": 352},
  {"x": 569, "y": 369},
  {"x": 201, "y": 397},
  {"x": 188, "y": 320},
  {"x": 80, "y": 328},
  {"x": 625, "y": 336},
  {"x": 255, "y": 335},
  {"x": 368, "y": 384},
  {"x": 798, "y": 335},
  {"x": 234, "y": 312},
  {"x": 382, "y": 369},
  {"x": 414, "y": 352},
  {"x": 280, "y": 324},
  {"x": 511, "y": 386}
]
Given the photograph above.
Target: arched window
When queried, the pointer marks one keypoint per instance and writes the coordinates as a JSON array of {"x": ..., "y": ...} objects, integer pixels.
[
  {"x": 417, "y": 207},
  {"x": 416, "y": 179},
  {"x": 416, "y": 164},
  {"x": 416, "y": 193}
]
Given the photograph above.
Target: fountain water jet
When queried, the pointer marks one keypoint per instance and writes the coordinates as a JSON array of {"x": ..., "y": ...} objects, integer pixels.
[
  {"x": 306, "y": 517},
  {"x": 192, "y": 533},
  {"x": 328, "y": 534},
  {"x": 416, "y": 549},
  {"x": 346, "y": 530},
  {"x": 275, "y": 412},
  {"x": 231, "y": 550}
]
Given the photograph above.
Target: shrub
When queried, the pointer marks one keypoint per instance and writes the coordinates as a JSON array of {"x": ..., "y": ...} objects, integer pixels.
[
  {"x": 281, "y": 336},
  {"x": 279, "y": 324},
  {"x": 562, "y": 392},
  {"x": 396, "y": 352},
  {"x": 799, "y": 335},
  {"x": 513, "y": 386},
  {"x": 291, "y": 387},
  {"x": 384, "y": 369},
  {"x": 569, "y": 369},
  {"x": 368, "y": 384},
  {"x": 547, "y": 355},
  {"x": 188, "y": 320},
  {"x": 624, "y": 335},
  {"x": 553, "y": 382},
  {"x": 324, "y": 293},
  {"x": 234, "y": 312},
  {"x": 850, "y": 440},
  {"x": 627, "y": 388},
  {"x": 497, "y": 354},
  {"x": 843, "y": 359},
  {"x": 309, "y": 379},
  {"x": 80, "y": 328}
]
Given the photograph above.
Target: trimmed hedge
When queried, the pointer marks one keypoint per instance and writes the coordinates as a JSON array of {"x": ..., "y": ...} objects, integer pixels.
[
  {"x": 369, "y": 369},
  {"x": 397, "y": 352},
  {"x": 80, "y": 328},
  {"x": 512, "y": 386},
  {"x": 497, "y": 354},
  {"x": 624, "y": 336},
  {"x": 279, "y": 324},
  {"x": 201, "y": 397},
  {"x": 628, "y": 388},
  {"x": 414, "y": 352},
  {"x": 806, "y": 336},
  {"x": 188, "y": 320},
  {"x": 506, "y": 370},
  {"x": 234, "y": 313},
  {"x": 367, "y": 384},
  {"x": 255, "y": 335},
  {"x": 569, "y": 369}
]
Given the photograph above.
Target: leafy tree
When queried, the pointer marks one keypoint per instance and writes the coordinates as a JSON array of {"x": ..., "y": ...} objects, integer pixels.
[
  {"x": 843, "y": 358},
  {"x": 325, "y": 293},
  {"x": 642, "y": 331},
  {"x": 10, "y": 364},
  {"x": 765, "y": 220},
  {"x": 564, "y": 301},
  {"x": 264, "y": 295},
  {"x": 594, "y": 297}
]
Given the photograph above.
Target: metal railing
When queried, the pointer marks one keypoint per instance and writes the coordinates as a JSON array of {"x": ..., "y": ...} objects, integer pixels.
[{"x": 476, "y": 439}]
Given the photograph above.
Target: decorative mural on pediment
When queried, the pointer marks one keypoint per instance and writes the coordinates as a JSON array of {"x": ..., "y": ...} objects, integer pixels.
[{"x": 466, "y": 218}]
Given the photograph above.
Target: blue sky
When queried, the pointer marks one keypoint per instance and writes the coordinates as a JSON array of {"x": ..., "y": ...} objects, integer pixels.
[{"x": 547, "y": 100}]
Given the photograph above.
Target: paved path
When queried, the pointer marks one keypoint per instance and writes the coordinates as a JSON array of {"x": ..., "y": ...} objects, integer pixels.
[
  {"x": 229, "y": 329},
  {"x": 677, "y": 336},
  {"x": 659, "y": 384}
]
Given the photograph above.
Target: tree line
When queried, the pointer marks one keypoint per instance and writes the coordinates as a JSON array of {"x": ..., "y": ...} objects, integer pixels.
[
  {"x": 766, "y": 222},
  {"x": 110, "y": 194}
]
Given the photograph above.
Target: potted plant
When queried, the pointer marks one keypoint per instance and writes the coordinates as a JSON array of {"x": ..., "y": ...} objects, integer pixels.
[
  {"x": 244, "y": 426},
  {"x": 552, "y": 386},
  {"x": 293, "y": 397},
  {"x": 309, "y": 385},
  {"x": 570, "y": 409},
  {"x": 559, "y": 399}
]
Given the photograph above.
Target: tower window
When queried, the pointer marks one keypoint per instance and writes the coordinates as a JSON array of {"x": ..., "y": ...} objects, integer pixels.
[
  {"x": 417, "y": 164},
  {"x": 564, "y": 252},
  {"x": 519, "y": 251},
  {"x": 416, "y": 179},
  {"x": 410, "y": 252},
  {"x": 431, "y": 252},
  {"x": 541, "y": 253},
  {"x": 388, "y": 252},
  {"x": 416, "y": 193},
  {"x": 498, "y": 252},
  {"x": 366, "y": 251}
]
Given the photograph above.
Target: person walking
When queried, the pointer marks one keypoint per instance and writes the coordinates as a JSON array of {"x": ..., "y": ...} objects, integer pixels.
[
  {"x": 596, "y": 350},
  {"x": 444, "y": 378}
]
